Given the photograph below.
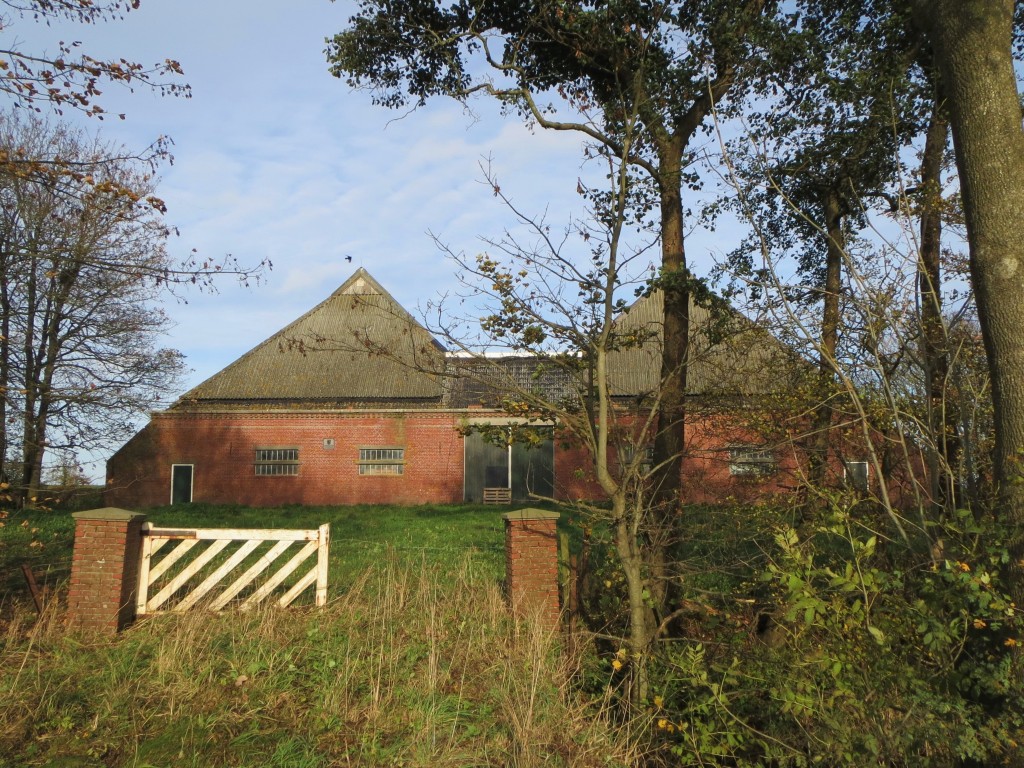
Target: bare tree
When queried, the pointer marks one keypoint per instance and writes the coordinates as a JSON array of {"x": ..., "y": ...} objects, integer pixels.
[{"x": 79, "y": 274}]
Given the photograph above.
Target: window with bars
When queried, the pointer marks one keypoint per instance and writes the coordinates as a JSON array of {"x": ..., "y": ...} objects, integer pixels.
[
  {"x": 381, "y": 461},
  {"x": 749, "y": 461},
  {"x": 627, "y": 452},
  {"x": 277, "y": 462}
]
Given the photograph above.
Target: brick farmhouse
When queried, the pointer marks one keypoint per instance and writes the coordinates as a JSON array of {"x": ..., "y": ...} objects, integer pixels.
[{"x": 355, "y": 402}]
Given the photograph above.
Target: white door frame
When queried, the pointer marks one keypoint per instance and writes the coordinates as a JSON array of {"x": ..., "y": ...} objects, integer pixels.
[{"x": 191, "y": 480}]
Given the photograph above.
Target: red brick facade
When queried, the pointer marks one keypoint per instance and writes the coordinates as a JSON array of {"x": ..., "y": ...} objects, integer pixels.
[
  {"x": 708, "y": 470},
  {"x": 221, "y": 449},
  {"x": 104, "y": 570}
]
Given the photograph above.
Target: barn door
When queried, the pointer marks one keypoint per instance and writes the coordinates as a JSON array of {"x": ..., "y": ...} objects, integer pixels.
[
  {"x": 486, "y": 467},
  {"x": 181, "y": 484},
  {"x": 523, "y": 469},
  {"x": 533, "y": 468}
]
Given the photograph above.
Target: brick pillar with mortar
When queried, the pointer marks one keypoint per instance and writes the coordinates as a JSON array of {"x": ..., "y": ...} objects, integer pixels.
[
  {"x": 104, "y": 570},
  {"x": 531, "y": 563}
]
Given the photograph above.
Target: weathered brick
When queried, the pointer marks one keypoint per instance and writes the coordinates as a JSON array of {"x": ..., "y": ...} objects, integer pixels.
[
  {"x": 221, "y": 446},
  {"x": 531, "y": 561},
  {"x": 104, "y": 570}
]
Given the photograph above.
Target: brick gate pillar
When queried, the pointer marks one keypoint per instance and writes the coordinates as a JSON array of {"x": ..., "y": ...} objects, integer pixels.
[
  {"x": 104, "y": 570},
  {"x": 531, "y": 563}
]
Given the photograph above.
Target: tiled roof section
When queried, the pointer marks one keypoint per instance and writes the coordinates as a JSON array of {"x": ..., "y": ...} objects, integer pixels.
[
  {"x": 729, "y": 355},
  {"x": 358, "y": 345},
  {"x": 487, "y": 381}
]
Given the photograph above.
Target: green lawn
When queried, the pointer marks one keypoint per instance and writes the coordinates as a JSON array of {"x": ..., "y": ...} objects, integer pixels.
[
  {"x": 443, "y": 535},
  {"x": 361, "y": 535}
]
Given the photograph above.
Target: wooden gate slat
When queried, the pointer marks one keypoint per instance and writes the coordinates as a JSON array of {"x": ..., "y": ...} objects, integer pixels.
[
  {"x": 173, "y": 556},
  {"x": 210, "y": 581},
  {"x": 186, "y": 573},
  {"x": 286, "y": 569},
  {"x": 155, "y": 539},
  {"x": 297, "y": 588},
  {"x": 145, "y": 560},
  {"x": 254, "y": 570},
  {"x": 156, "y": 543},
  {"x": 265, "y": 534}
]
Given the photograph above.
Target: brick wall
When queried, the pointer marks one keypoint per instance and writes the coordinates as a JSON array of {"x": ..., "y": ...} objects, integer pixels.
[
  {"x": 531, "y": 563},
  {"x": 222, "y": 450},
  {"x": 104, "y": 570},
  {"x": 221, "y": 447},
  {"x": 706, "y": 475}
]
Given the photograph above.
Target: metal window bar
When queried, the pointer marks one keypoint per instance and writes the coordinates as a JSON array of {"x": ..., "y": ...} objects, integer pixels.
[
  {"x": 379, "y": 455},
  {"x": 382, "y": 461},
  {"x": 277, "y": 462},
  {"x": 751, "y": 462}
]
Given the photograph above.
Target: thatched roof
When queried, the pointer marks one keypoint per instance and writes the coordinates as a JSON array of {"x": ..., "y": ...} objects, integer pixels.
[{"x": 359, "y": 345}]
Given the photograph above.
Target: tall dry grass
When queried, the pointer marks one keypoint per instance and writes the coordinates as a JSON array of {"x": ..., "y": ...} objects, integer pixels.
[{"x": 416, "y": 664}]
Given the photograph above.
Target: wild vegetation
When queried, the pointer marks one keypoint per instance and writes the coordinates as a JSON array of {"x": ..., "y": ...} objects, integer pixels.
[
  {"x": 835, "y": 648},
  {"x": 415, "y": 661},
  {"x": 884, "y": 624},
  {"x": 840, "y": 627}
]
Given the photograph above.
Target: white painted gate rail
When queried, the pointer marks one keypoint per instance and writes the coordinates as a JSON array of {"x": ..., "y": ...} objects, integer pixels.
[{"x": 159, "y": 581}]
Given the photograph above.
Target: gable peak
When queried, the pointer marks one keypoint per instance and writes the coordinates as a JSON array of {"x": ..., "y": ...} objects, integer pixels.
[{"x": 361, "y": 284}]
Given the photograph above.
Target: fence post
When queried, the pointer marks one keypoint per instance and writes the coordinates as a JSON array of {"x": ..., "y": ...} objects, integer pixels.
[
  {"x": 531, "y": 563},
  {"x": 104, "y": 570},
  {"x": 323, "y": 550}
]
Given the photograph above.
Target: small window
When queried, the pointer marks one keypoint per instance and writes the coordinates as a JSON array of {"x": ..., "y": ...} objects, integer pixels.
[
  {"x": 277, "y": 462},
  {"x": 856, "y": 474},
  {"x": 748, "y": 461},
  {"x": 382, "y": 461},
  {"x": 627, "y": 452}
]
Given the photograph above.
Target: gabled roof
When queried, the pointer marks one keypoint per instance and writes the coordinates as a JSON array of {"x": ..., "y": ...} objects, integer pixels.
[
  {"x": 728, "y": 354},
  {"x": 359, "y": 345}
]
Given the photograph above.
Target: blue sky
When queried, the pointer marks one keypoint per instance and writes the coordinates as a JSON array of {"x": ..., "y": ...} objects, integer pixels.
[{"x": 276, "y": 159}]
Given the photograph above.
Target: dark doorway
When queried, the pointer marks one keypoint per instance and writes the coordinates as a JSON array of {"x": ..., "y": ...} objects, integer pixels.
[
  {"x": 488, "y": 466},
  {"x": 181, "y": 484}
]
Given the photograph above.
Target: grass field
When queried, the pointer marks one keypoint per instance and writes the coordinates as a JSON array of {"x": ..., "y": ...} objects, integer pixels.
[
  {"x": 360, "y": 535},
  {"x": 414, "y": 662}
]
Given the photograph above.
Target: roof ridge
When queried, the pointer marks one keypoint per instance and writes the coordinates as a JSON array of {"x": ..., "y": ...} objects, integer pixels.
[
  {"x": 343, "y": 291},
  {"x": 362, "y": 274}
]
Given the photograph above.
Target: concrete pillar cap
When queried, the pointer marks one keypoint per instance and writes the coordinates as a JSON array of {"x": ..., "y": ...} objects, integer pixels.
[
  {"x": 530, "y": 514},
  {"x": 108, "y": 513}
]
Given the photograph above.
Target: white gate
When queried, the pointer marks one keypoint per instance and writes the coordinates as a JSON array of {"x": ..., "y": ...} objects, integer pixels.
[{"x": 159, "y": 580}]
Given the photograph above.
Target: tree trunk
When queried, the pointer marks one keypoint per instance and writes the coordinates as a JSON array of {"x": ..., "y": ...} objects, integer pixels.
[
  {"x": 29, "y": 442},
  {"x": 640, "y": 625},
  {"x": 835, "y": 245},
  {"x": 6, "y": 279},
  {"x": 669, "y": 442},
  {"x": 971, "y": 40},
  {"x": 941, "y": 414}
]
